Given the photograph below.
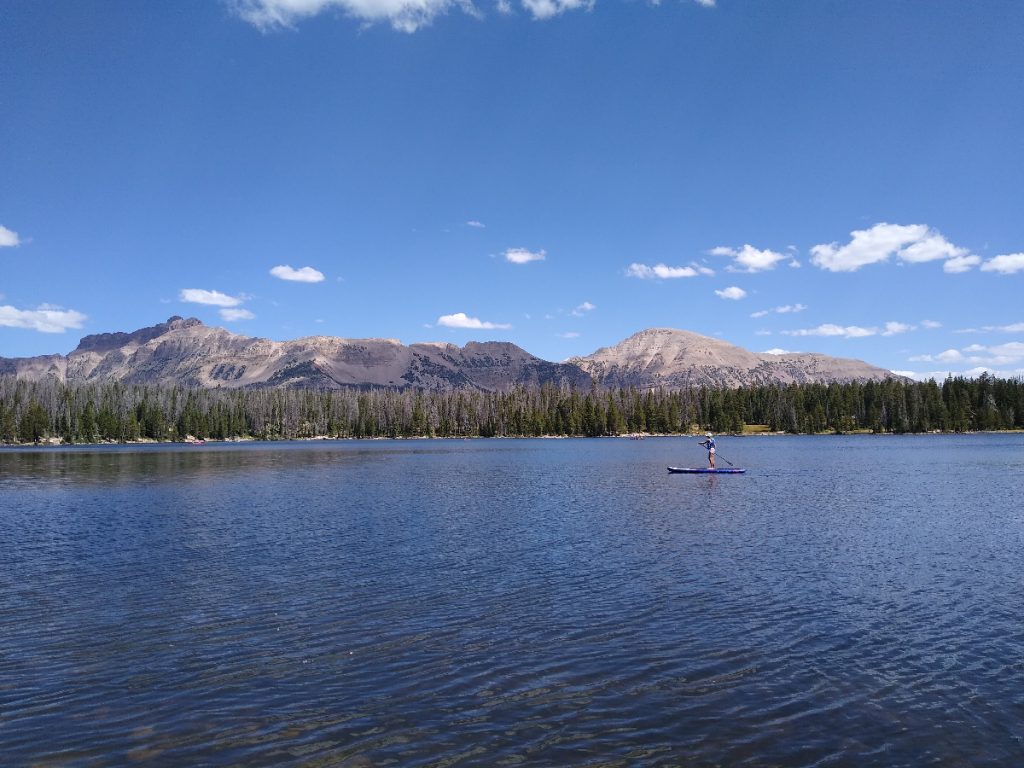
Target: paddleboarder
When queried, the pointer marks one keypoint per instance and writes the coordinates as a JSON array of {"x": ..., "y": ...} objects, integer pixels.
[{"x": 709, "y": 443}]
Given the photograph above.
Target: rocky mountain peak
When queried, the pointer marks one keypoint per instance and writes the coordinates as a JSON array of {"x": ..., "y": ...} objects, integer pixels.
[
  {"x": 184, "y": 351},
  {"x": 105, "y": 342},
  {"x": 177, "y": 323}
]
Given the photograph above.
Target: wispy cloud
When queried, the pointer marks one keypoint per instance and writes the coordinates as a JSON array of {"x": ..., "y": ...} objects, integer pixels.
[
  {"x": 476, "y": 224},
  {"x": 210, "y": 298},
  {"x": 234, "y": 315},
  {"x": 403, "y": 15},
  {"x": 1007, "y": 264},
  {"x": 46, "y": 318},
  {"x": 582, "y": 309},
  {"x": 569, "y": 335},
  {"x": 785, "y": 309},
  {"x": 545, "y": 9},
  {"x": 462, "y": 320},
  {"x": 301, "y": 275},
  {"x": 776, "y": 351},
  {"x": 8, "y": 238},
  {"x": 958, "y": 264},
  {"x": 970, "y": 373},
  {"x": 931, "y": 324},
  {"x": 732, "y": 292},
  {"x": 665, "y": 272},
  {"x": 524, "y": 256},
  {"x": 949, "y": 356},
  {"x": 829, "y": 329},
  {"x": 748, "y": 258},
  {"x": 994, "y": 355},
  {"x": 913, "y": 243},
  {"x": 1011, "y": 328},
  {"x": 893, "y": 328}
]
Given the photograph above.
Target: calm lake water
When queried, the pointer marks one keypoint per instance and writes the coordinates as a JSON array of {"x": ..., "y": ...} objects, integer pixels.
[{"x": 849, "y": 601}]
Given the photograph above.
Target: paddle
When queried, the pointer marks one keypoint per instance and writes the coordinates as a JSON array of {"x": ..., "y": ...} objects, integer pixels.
[{"x": 720, "y": 456}]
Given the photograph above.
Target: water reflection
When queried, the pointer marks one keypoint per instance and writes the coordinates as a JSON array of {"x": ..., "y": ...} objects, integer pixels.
[{"x": 501, "y": 602}]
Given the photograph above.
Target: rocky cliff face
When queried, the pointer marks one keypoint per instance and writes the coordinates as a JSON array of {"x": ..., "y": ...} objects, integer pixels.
[
  {"x": 184, "y": 351},
  {"x": 665, "y": 357},
  {"x": 187, "y": 352}
]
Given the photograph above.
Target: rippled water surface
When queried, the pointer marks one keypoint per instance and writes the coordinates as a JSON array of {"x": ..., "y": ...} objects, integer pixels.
[{"x": 848, "y": 601}]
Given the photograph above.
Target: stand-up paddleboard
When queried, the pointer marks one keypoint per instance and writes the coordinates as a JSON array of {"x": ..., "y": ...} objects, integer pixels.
[{"x": 707, "y": 471}]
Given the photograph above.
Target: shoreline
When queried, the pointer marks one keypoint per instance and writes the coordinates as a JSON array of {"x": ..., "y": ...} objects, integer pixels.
[{"x": 199, "y": 443}]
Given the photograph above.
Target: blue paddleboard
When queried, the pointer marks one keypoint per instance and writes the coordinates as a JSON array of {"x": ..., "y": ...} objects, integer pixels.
[{"x": 707, "y": 471}]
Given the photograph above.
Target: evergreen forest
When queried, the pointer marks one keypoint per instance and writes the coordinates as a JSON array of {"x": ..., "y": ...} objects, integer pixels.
[{"x": 32, "y": 412}]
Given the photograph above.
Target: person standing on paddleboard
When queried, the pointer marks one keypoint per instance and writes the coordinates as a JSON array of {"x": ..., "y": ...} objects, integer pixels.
[{"x": 709, "y": 443}]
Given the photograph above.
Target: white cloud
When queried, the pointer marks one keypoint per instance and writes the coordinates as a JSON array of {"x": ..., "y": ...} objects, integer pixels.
[
  {"x": 403, "y": 15},
  {"x": 970, "y": 373},
  {"x": 545, "y": 9},
  {"x": 930, "y": 324},
  {"x": 461, "y": 320},
  {"x": 523, "y": 256},
  {"x": 732, "y": 292},
  {"x": 301, "y": 275},
  {"x": 569, "y": 335},
  {"x": 829, "y": 329},
  {"x": 1006, "y": 264},
  {"x": 748, "y": 258},
  {"x": 1011, "y": 328},
  {"x": 47, "y": 318},
  {"x": 893, "y": 328},
  {"x": 1011, "y": 353},
  {"x": 476, "y": 224},
  {"x": 664, "y": 272},
  {"x": 762, "y": 332},
  {"x": 931, "y": 247},
  {"x": 233, "y": 315},
  {"x": 211, "y": 298},
  {"x": 583, "y": 308},
  {"x": 795, "y": 264},
  {"x": 958, "y": 264},
  {"x": 8, "y": 238},
  {"x": 914, "y": 243},
  {"x": 776, "y": 351},
  {"x": 785, "y": 309}
]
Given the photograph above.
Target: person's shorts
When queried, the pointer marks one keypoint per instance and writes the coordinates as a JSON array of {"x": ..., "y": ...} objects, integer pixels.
[{"x": 711, "y": 450}]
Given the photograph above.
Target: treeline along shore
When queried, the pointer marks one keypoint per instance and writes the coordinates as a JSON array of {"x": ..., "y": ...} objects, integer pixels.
[{"x": 32, "y": 412}]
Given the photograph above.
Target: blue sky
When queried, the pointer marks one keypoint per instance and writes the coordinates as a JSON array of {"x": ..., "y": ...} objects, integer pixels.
[{"x": 804, "y": 175}]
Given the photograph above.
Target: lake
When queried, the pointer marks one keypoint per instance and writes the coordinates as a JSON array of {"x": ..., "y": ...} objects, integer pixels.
[{"x": 849, "y": 601}]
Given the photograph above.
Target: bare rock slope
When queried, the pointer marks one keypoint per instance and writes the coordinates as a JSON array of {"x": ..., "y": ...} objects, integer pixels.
[
  {"x": 184, "y": 351},
  {"x": 187, "y": 352},
  {"x": 665, "y": 357}
]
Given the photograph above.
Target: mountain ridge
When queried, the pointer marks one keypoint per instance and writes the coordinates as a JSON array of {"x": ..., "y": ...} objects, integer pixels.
[{"x": 186, "y": 351}]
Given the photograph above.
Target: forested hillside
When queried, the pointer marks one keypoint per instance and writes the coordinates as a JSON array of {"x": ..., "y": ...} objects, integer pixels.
[{"x": 35, "y": 411}]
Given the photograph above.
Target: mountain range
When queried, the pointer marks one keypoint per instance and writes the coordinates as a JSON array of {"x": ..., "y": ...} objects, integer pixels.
[{"x": 187, "y": 352}]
